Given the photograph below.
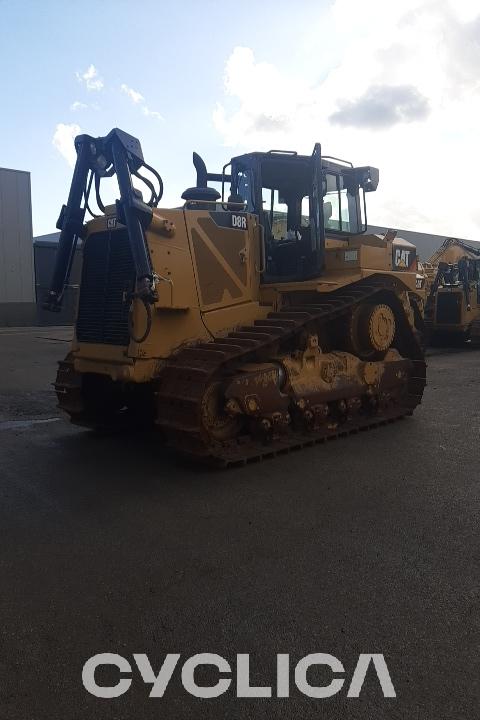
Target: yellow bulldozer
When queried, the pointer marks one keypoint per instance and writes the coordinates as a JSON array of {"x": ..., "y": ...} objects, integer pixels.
[
  {"x": 452, "y": 310},
  {"x": 239, "y": 326}
]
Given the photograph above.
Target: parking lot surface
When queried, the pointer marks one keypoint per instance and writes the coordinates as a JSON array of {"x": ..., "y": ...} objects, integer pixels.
[{"x": 368, "y": 544}]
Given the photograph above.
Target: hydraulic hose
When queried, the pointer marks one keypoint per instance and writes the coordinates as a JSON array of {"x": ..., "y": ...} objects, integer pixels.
[{"x": 148, "y": 310}]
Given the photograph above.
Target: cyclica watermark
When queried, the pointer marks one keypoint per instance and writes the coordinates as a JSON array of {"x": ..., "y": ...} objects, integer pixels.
[{"x": 374, "y": 663}]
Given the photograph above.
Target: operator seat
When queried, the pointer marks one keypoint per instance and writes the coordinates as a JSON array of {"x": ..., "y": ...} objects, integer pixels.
[{"x": 201, "y": 198}]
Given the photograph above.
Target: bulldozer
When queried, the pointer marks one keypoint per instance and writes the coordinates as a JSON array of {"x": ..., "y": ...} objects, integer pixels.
[
  {"x": 239, "y": 326},
  {"x": 452, "y": 310}
]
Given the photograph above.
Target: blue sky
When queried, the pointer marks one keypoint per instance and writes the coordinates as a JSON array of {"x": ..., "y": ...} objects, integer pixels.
[
  {"x": 172, "y": 53},
  {"x": 392, "y": 85}
]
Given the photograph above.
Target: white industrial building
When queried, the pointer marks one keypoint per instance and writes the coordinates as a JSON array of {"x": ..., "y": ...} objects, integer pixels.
[{"x": 17, "y": 274}]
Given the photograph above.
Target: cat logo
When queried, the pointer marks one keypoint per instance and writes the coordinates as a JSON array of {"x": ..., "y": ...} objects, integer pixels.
[
  {"x": 239, "y": 222},
  {"x": 401, "y": 258},
  {"x": 111, "y": 223}
]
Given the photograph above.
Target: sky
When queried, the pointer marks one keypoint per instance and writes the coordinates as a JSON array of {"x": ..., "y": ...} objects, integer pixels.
[{"x": 377, "y": 82}]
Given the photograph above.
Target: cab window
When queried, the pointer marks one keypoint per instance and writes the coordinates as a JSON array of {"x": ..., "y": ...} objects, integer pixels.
[
  {"x": 337, "y": 204},
  {"x": 286, "y": 215},
  {"x": 244, "y": 187},
  {"x": 277, "y": 210}
]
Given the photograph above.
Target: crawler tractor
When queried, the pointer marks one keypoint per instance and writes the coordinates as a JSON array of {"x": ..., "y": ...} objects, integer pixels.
[
  {"x": 452, "y": 312},
  {"x": 243, "y": 325}
]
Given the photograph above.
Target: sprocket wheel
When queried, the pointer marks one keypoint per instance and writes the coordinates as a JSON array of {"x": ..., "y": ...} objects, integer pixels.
[{"x": 218, "y": 423}]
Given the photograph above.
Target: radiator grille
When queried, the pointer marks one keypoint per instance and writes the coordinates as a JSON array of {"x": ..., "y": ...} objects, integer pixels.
[
  {"x": 108, "y": 274},
  {"x": 449, "y": 308}
]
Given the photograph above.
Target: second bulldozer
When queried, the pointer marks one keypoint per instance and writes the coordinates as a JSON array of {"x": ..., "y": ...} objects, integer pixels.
[
  {"x": 242, "y": 326},
  {"x": 452, "y": 311}
]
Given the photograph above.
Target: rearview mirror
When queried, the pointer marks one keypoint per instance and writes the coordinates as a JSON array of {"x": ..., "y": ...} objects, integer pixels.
[{"x": 367, "y": 178}]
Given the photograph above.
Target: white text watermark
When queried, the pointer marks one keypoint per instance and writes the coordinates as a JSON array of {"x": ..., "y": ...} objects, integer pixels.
[{"x": 237, "y": 679}]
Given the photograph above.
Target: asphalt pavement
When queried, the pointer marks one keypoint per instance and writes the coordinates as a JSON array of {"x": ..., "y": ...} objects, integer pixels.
[{"x": 368, "y": 544}]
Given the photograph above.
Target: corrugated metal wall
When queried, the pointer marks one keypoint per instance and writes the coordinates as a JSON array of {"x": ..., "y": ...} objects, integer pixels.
[
  {"x": 426, "y": 243},
  {"x": 17, "y": 281}
]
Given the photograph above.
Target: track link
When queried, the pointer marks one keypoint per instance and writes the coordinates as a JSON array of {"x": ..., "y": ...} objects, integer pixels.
[
  {"x": 187, "y": 375},
  {"x": 475, "y": 333}
]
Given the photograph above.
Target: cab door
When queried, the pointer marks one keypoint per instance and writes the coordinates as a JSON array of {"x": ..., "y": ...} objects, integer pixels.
[{"x": 316, "y": 212}]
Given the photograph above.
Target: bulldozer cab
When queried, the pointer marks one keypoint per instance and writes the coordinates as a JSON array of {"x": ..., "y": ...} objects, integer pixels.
[{"x": 300, "y": 199}]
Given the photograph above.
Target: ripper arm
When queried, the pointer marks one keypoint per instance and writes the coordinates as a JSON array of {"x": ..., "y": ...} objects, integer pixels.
[{"x": 117, "y": 154}]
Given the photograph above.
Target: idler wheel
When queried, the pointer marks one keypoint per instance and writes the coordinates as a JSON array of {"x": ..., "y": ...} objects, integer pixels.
[
  {"x": 372, "y": 329},
  {"x": 381, "y": 327}
]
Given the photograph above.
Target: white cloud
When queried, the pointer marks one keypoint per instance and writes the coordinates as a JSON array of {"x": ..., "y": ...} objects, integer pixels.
[
  {"x": 382, "y": 106},
  {"x": 267, "y": 99},
  {"x": 77, "y": 105},
  {"x": 90, "y": 78},
  {"x": 63, "y": 141},
  {"x": 404, "y": 95},
  {"x": 138, "y": 99},
  {"x": 466, "y": 10},
  {"x": 134, "y": 96},
  {"x": 152, "y": 113}
]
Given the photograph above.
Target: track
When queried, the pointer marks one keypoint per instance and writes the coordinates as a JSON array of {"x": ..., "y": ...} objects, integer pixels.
[
  {"x": 187, "y": 376},
  {"x": 475, "y": 333}
]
